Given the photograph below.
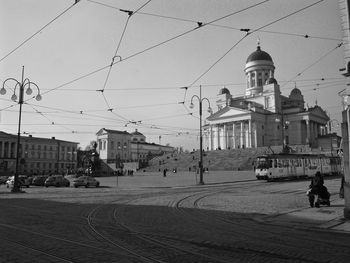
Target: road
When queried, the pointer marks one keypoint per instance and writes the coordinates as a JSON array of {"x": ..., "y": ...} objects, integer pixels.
[{"x": 220, "y": 222}]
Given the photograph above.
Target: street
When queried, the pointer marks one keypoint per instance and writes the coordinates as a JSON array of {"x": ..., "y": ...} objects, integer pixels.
[{"x": 237, "y": 221}]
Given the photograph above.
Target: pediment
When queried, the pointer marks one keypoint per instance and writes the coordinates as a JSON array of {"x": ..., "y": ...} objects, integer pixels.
[
  {"x": 228, "y": 112},
  {"x": 319, "y": 112}
]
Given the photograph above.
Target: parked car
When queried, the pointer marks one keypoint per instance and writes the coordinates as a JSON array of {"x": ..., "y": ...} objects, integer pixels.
[
  {"x": 57, "y": 180},
  {"x": 39, "y": 180},
  {"x": 86, "y": 181},
  {"x": 23, "y": 180},
  {"x": 3, "y": 179}
]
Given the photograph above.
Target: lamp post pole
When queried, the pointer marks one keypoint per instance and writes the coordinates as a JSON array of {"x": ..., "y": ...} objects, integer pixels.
[
  {"x": 21, "y": 85},
  {"x": 200, "y": 100}
]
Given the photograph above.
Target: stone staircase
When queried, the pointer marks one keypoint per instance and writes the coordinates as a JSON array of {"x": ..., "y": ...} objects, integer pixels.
[{"x": 226, "y": 160}]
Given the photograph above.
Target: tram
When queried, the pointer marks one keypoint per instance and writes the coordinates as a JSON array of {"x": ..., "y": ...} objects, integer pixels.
[{"x": 292, "y": 166}]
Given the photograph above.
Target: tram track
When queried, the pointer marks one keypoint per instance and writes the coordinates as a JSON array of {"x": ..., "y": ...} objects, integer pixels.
[
  {"x": 243, "y": 228},
  {"x": 19, "y": 245}
]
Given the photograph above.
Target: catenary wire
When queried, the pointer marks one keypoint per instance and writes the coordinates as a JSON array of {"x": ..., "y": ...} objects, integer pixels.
[
  {"x": 222, "y": 26},
  {"x": 37, "y": 32}
]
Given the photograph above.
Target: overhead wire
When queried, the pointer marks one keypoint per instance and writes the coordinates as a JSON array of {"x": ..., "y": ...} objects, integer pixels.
[
  {"x": 38, "y": 31},
  {"x": 130, "y": 13},
  {"x": 147, "y": 49},
  {"x": 314, "y": 63},
  {"x": 305, "y": 35},
  {"x": 249, "y": 32}
]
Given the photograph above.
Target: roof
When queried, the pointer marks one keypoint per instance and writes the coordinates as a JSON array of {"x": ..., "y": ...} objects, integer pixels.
[
  {"x": 259, "y": 55},
  {"x": 136, "y": 132},
  {"x": 26, "y": 138},
  {"x": 112, "y": 131}
]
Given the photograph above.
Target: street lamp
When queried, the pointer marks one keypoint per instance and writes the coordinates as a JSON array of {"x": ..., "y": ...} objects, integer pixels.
[
  {"x": 21, "y": 85},
  {"x": 284, "y": 126},
  {"x": 200, "y": 99}
]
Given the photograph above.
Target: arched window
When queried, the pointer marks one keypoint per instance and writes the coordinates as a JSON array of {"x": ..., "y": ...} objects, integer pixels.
[{"x": 252, "y": 79}]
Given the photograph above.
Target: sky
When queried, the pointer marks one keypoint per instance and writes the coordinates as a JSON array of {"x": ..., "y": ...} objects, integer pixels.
[{"x": 161, "y": 56}]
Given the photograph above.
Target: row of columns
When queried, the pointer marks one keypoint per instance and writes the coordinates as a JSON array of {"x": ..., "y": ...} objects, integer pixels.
[
  {"x": 8, "y": 149},
  {"x": 226, "y": 136},
  {"x": 313, "y": 129}
]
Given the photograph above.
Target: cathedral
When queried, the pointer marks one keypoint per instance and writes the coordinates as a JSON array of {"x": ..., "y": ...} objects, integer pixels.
[{"x": 263, "y": 116}]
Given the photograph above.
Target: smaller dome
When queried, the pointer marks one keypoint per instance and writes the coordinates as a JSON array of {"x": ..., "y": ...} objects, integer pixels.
[
  {"x": 136, "y": 133},
  {"x": 224, "y": 91},
  {"x": 271, "y": 81},
  {"x": 295, "y": 92}
]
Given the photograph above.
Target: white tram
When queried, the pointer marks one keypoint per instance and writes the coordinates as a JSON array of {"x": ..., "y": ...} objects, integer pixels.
[{"x": 291, "y": 166}]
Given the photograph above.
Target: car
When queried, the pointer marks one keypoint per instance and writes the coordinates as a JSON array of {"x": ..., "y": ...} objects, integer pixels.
[
  {"x": 3, "y": 179},
  {"x": 23, "y": 180},
  {"x": 86, "y": 181},
  {"x": 57, "y": 180},
  {"x": 39, "y": 180}
]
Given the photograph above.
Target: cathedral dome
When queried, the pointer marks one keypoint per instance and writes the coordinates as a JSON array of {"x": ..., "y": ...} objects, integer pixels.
[
  {"x": 224, "y": 91},
  {"x": 259, "y": 55}
]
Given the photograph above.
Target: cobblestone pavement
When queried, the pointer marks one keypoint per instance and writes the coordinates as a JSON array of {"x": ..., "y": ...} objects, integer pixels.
[{"x": 226, "y": 220}]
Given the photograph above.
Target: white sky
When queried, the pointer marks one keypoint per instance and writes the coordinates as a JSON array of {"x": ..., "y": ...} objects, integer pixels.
[{"x": 146, "y": 87}]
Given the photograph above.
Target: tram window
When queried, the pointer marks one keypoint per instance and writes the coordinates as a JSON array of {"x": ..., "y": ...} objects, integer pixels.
[
  {"x": 279, "y": 163},
  {"x": 275, "y": 163},
  {"x": 270, "y": 163}
]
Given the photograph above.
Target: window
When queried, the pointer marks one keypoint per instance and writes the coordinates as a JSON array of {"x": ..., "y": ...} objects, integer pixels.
[
  {"x": 104, "y": 145},
  {"x": 112, "y": 144},
  {"x": 252, "y": 82},
  {"x": 260, "y": 82}
]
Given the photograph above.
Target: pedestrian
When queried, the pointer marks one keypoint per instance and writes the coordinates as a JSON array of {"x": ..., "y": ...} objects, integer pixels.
[
  {"x": 164, "y": 172},
  {"x": 316, "y": 187},
  {"x": 341, "y": 190}
]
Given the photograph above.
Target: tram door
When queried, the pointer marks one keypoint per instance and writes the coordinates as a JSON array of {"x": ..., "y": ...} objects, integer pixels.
[{"x": 292, "y": 167}]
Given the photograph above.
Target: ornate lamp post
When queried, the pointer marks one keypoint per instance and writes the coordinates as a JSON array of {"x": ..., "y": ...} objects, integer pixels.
[
  {"x": 200, "y": 99},
  {"x": 21, "y": 85},
  {"x": 284, "y": 126}
]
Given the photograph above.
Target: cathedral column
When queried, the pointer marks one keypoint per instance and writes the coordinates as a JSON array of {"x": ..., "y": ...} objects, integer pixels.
[
  {"x": 2, "y": 149},
  {"x": 255, "y": 136},
  {"x": 307, "y": 131},
  {"x": 242, "y": 135},
  {"x": 217, "y": 136},
  {"x": 224, "y": 146},
  {"x": 209, "y": 138},
  {"x": 249, "y": 134},
  {"x": 233, "y": 136}
]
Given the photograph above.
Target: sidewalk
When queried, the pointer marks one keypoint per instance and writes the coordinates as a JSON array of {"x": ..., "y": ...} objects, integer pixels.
[{"x": 324, "y": 218}]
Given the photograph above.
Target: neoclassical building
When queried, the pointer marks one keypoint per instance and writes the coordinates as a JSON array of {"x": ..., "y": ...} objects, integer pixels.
[
  {"x": 36, "y": 155},
  {"x": 263, "y": 116},
  {"x": 116, "y": 147}
]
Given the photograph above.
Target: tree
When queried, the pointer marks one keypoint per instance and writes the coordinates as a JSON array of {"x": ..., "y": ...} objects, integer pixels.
[{"x": 92, "y": 146}]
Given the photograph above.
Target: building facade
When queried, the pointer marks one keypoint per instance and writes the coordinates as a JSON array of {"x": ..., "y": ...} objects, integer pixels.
[
  {"x": 116, "y": 147},
  {"x": 263, "y": 116},
  {"x": 37, "y": 155}
]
